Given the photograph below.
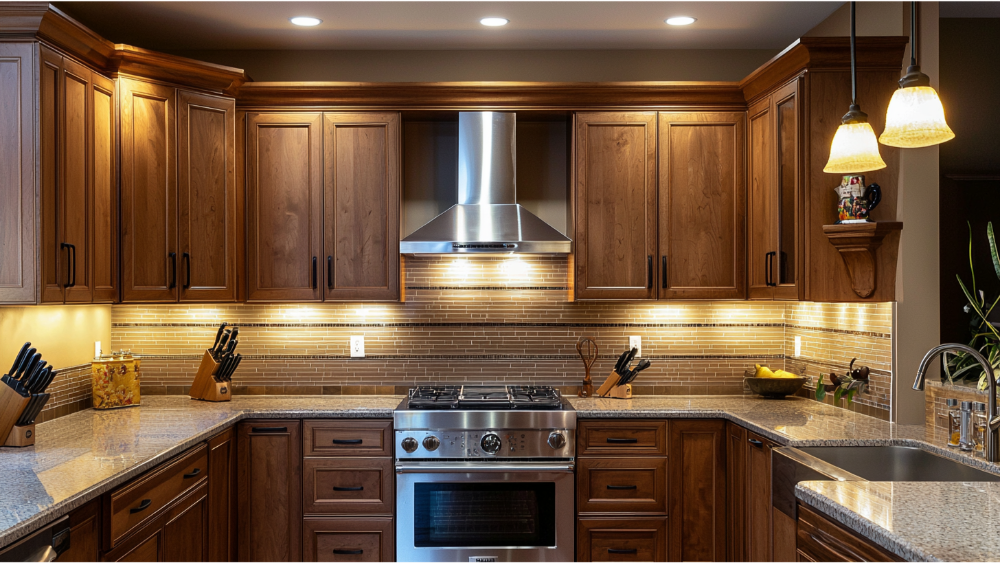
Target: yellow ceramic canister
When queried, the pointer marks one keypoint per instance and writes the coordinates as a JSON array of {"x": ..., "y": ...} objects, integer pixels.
[{"x": 116, "y": 381}]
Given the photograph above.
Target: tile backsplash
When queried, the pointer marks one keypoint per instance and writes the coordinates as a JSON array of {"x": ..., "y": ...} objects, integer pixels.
[{"x": 503, "y": 319}]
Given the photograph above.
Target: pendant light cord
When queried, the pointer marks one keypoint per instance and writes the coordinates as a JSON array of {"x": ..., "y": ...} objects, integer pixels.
[
  {"x": 913, "y": 33},
  {"x": 854, "y": 70}
]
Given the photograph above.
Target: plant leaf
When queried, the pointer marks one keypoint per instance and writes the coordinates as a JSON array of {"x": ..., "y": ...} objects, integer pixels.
[
  {"x": 820, "y": 389},
  {"x": 850, "y": 395},
  {"x": 837, "y": 394},
  {"x": 976, "y": 308},
  {"x": 972, "y": 269},
  {"x": 993, "y": 248}
]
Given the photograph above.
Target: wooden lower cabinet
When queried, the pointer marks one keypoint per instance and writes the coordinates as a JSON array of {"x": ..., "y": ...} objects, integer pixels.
[
  {"x": 348, "y": 539},
  {"x": 270, "y": 492},
  {"x": 222, "y": 497},
  {"x": 758, "y": 498},
  {"x": 736, "y": 482},
  {"x": 822, "y": 539},
  {"x": 622, "y": 485},
  {"x": 85, "y": 534},
  {"x": 179, "y": 533},
  {"x": 621, "y": 539},
  {"x": 697, "y": 490},
  {"x": 348, "y": 486}
]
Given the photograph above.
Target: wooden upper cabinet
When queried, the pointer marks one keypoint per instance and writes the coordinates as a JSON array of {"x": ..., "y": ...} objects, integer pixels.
[
  {"x": 206, "y": 197},
  {"x": 284, "y": 206},
  {"x": 77, "y": 182},
  {"x": 615, "y": 205},
  {"x": 361, "y": 206},
  {"x": 702, "y": 205},
  {"x": 774, "y": 212},
  {"x": 148, "y": 192}
]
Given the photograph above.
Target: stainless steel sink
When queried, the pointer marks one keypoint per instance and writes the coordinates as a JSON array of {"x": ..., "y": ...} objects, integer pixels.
[
  {"x": 789, "y": 466},
  {"x": 897, "y": 463}
]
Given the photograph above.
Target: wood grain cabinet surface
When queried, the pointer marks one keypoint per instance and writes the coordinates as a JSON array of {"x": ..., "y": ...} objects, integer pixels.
[
  {"x": 179, "y": 533},
  {"x": 736, "y": 492},
  {"x": 702, "y": 205},
  {"x": 222, "y": 497},
  {"x": 821, "y": 539},
  {"x": 631, "y": 485},
  {"x": 85, "y": 534},
  {"x": 621, "y": 539},
  {"x": 77, "y": 179},
  {"x": 348, "y": 539},
  {"x": 697, "y": 492}
]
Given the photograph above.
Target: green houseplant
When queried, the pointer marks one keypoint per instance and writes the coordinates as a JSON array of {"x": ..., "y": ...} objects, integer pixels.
[{"x": 985, "y": 336}]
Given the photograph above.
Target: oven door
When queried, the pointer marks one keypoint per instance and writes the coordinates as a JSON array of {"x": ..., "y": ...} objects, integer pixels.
[{"x": 486, "y": 511}]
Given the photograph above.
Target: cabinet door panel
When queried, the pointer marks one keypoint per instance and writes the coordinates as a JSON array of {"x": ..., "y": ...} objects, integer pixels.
[
  {"x": 787, "y": 263},
  {"x": 74, "y": 201},
  {"x": 270, "y": 497},
  {"x": 104, "y": 186},
  {"x": 616, "y": 205},
  {"x": 702, "y": 205},
  {"x": 284, "y": 200},
  {"x": 221, "y": 503},
  {"x": 758, "y": 523},
  {"x": 54, "y": 260},
  {"x": 761, "y": 207},
  {"x": 185, "y": 532},
  {"x": 361, "y": 199},
  {"x": 697, "y": 490},
  {"x": 149, "y": 184},
  {"x": 206, "y": 205},
  {"x": 85, "y": 535},
  {"x": 736, "y": 483}
]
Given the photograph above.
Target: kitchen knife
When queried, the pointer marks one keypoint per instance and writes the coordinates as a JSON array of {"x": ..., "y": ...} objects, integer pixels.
[
  {"x": 47, "y": 378},
  {"x": 236, "y": 364},
  {"x": 628, "y": 360},
  {"x": 621, "y": 360},
  {"x": 29, "y": 369},
  {"x": 218, "y": 335},
  {"x": 32, "y": 379},
  {"x": 24, "y": 363},
  {"x": 643, "y": 364},
  {"x": 220, "y": 373},
  {"x": 233, "y": 342},
  {"x": 222, "y": 346},
  {"x": 34, "y": 408},
  {"x": 20, "y": 357},
  {"x": 22, "y": 420}
]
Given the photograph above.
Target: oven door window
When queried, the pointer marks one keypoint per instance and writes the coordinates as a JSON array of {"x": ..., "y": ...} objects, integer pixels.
[{"x": 484, "y": 515}]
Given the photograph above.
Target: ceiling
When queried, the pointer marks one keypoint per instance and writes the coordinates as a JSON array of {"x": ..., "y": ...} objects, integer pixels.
[{"x": 415, "y": 25}]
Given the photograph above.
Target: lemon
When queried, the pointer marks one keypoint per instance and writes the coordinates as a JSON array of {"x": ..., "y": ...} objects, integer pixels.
[
  {"x": 763, "y": 371},
  {"x": 782, "y": 374}
]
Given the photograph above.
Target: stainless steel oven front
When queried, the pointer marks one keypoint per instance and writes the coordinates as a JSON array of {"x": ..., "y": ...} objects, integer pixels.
[{"x": 502, "y": 510}]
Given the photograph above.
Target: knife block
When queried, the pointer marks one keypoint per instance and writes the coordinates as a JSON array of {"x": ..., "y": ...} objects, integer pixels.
[
  {"x": 621, "y": 392},
  {"x": 11, "y": 407},
  {"x": 21, "y": 436},
  {"x": 205, "y": 387}
]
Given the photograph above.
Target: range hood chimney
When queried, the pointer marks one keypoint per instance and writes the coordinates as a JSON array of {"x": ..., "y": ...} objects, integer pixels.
[{"x": 487, "y": 218}]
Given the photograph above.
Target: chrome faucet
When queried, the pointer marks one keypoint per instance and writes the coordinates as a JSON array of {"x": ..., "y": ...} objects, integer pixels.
[{"x": 992, "y": 437}]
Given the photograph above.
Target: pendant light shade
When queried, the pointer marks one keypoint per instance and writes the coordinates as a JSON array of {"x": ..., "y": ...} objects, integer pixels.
[
  {"x": 854, "y": 148},
  {"x": 915, "y": 117}
]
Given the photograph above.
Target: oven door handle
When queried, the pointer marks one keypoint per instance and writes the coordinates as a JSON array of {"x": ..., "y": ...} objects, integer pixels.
[{"x": 489, "y": 467}]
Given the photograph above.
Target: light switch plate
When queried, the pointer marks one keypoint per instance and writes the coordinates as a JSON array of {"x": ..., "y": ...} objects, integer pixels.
[
  {"x": 357, "y": 346},
  {"x": 635, "y": 342}
]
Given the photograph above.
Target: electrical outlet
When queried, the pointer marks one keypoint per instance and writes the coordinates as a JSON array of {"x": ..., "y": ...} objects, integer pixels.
[
  {"x": 635, "y": 342},
  {"x": 798, "y": 345},
  {"x": 357, "y": 346}
]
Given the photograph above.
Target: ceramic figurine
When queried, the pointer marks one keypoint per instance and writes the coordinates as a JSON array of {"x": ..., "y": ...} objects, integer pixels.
[{"x": 856, "y": 201}]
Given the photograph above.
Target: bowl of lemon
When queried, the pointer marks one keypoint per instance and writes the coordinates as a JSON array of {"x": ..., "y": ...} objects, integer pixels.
[{"x": 776, "y": 384}]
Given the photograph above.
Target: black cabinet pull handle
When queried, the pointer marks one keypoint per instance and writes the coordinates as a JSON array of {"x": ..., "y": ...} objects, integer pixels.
[
  {"x": 173, "y": 269},
  {"x": 626, "y": 551},
  {"x": 623, "y": 440},
  {"x": 622, "y": 487},
  {"x": 348, "y": 488},
  {"x": 142, "y": 506},
  {"x": 663, "y": 282},
  {"x": 69, "y": 262},
  {"x": 72, "y": 248},
  {"x": 649, "y": 271},
  {"x": 347, "y": 442},
  {"x": 195, "y": 473},
  {"x": 348, "y": 551},
  {"x": 329, "y": 272},
  {"x": 314, "y": 273},
  {"x": 769, "y": 266},
  {"x": 268, "y": 429},
  {"x": 756, "y": 443},
  {"x": 187, "y": 267}
]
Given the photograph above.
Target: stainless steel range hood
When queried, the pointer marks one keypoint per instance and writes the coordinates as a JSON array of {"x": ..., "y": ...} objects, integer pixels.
[{"x": 486, "y": 218}]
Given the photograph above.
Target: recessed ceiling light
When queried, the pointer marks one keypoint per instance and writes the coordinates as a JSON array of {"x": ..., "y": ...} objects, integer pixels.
[
  {"x": 681, "y": 20},
  {"x": 494, "y": 22},
  {"x": 306, "y": 21}
]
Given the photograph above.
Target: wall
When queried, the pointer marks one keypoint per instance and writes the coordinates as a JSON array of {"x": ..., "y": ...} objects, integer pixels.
[
  {"x": 486, "y": 320},
  {"x": 521, "y": 65}
]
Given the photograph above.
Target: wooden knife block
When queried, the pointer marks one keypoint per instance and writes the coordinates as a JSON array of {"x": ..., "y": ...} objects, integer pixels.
[
  {"x": 205, "y": 387},
  {"x": 11, "y": 407},
  {"x": 611, "y": 389},
  {"x": 21, "y": 436},
  {"x": 621, "y": 392}
]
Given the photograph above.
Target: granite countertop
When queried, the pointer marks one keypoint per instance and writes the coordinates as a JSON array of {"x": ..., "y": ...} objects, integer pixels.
[
  {"x": 80, "y": 456},
  {"x": 917, "y": 521}
]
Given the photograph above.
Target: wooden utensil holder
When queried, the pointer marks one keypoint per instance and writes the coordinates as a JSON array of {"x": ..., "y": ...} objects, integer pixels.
[
  {"x": 11, "y": 406},
  {"x": 621, "y": 392},
  {"x": 611, "y": 389},
  {"x": 205, "y": 387}
]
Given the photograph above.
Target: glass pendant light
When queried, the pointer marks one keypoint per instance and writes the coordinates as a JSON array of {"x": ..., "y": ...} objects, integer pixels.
[
  {"x": 854, "y": 148},
  {"x": 915, "y": 117}
]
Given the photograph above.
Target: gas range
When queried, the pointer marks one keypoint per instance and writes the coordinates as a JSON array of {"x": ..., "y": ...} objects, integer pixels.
[{"x": 484, "y": 473}]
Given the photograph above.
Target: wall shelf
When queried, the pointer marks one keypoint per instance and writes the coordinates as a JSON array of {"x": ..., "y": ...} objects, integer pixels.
[{"x": 857, "y": 243}]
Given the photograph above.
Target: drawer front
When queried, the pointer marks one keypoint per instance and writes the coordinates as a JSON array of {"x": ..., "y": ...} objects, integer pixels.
[
  {"x": 341, "y": 539},
  {"x": 625, "y": 539},
  {"x": 334, "y": 438},
  {"x": 821, "y": 539},
  {"x": 606, "y": 485},
  {"x": 138, "y": 501},
  {"x": 348, "y": 486},
  {"x": 622, "y": 437}
]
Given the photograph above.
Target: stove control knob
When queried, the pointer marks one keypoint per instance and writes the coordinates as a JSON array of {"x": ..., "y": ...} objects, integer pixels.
[
  {"x": 556, "y": 440},
  {"x": 409, "y": 445},
  {"x": 490, "y": 444},
  {"x": 431, "y": 443}
]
